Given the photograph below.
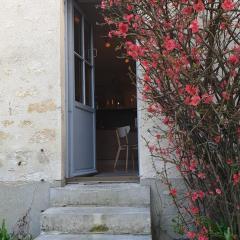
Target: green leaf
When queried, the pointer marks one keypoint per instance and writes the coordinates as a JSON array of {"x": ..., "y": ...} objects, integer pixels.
[{"x": 228, "y": 234}]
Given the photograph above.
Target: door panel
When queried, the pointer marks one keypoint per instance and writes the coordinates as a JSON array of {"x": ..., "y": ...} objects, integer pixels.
[
  {"x": 82, "y": 131},
  {"x": 83, "y": 139}
]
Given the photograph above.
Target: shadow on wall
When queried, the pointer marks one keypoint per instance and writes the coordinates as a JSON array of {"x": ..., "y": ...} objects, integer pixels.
[{"x": 22, "y": 204}]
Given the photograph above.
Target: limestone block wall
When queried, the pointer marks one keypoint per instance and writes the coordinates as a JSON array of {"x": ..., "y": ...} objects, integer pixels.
[
  {"x": 163, "y": 210},
  {"x": 147, "y": 165},
  {"x": 22, "y": 204},
  {"x": 31, "y": 90}
]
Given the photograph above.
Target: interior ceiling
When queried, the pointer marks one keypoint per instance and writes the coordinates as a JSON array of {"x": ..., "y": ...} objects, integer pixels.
[{"x": 90, "y": 9}]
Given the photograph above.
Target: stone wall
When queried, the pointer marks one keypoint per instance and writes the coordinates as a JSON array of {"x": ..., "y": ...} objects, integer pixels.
[
  {"x": 31, "y": 90},
  {"x": 32, "y": 117},
  {"x": 163, "y": 210},
  {"x": 21, "y": 205}
]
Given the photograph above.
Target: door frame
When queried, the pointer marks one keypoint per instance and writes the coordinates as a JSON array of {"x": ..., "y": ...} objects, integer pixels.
[
  {"x": 68, "y": 73},
  {"x": 69, "y": 88}
]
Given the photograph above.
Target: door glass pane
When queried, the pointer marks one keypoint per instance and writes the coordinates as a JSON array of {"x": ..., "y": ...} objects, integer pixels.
[
  {"x": 87, "y": 41},
  {"x": 77, "y": 32},
  {"x": 78, "y": 80},
  {"x": 88, "y": 84}
]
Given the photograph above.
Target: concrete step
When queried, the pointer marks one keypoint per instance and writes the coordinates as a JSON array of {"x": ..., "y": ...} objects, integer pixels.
[
  {"x": 110, "y": 220},
  {"x": 118, "y": 194},
  {"x": 92, "y": 237}
]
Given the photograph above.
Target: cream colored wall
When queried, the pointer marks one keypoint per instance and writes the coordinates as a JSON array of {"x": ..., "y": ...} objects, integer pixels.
[
  {"x": 146, "y": 169},
  {"x": 32, "y": 93},
  {"x": 31, "y": 90},
  {"x": 148, "y": 166}
]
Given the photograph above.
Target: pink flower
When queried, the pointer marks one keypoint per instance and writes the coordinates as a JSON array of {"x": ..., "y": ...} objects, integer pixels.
[
  {"x": 204, "y": 230},
  {"x": 134, "y": 50},
  {"x": 207, "y": 98},
  {"x": 146, "y": 88},
  {"x": 123, "y": 28},
  {"x": 103, "y": 5},
  {"x": 147, "y": 78},
  {"x": 194, "y": 210},
  {"x": 233, "y": 59},
  {"x": 202, "y": 237},
  {"x": 201, "y": 194},
  {"x": 187, "y": 10},
  {"x": 217, "y": 139},
  {"x": 238, "y": 132},
  {"x": 152, "y": 108},
  {"x": 198, "y": 195},
  {"x": 195, "y": 100},
  {"x": 229, "y": 161},
  {"x": 158, "y": 136},
  {"x": 151, "y": 148},
  {"x": 153, "y": 1},
  {"x": 135, "y": 26},
  {"x": 236, "y": 178},
  {"x": 191, "y": 90},
  {"x": 170, "y": 44},
  {"x": 194, "y": 26},
  {"x": 228, "y": 5},
  {"x": 193, "y": 166},
  {"x": 191, "y": 235},
  {"x": 199, "y": 6},
  {"x": 223, "y": 26},
  {"x": 173, "y": 192},
  {"x": 128, "y": 17},
  {"x": 166, "y": 120},
  {"x": 218, "y": 191},
  {"x": 129, "y": 7},
  {"x": 226, "y": 95},
  {"x": 195, "y": 196}
]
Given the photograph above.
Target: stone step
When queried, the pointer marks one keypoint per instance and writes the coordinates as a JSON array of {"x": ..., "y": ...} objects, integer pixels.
[
  {"x": 118, "y": 194},
  {"x": 92, "y": 237},
  {"x": 110, "y": 220}
]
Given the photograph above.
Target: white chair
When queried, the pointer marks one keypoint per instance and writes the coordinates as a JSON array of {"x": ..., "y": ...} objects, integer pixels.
[{"x": 123, "y": 144}]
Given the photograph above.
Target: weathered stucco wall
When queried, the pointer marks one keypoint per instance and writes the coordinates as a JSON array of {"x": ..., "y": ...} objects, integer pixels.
[
  {"x": 22, "y": 204},
  {"x": 146, "y": 168},
  {"x": 163, "y": 210},
  {"x": 147, "y": 165},
  {"x": 31, "y": 92}
]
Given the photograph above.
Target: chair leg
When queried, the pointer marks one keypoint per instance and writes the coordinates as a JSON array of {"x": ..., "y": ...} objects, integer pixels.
[
  {"x": 126, "y": 158},
  {"x": 117, "y": 157}
]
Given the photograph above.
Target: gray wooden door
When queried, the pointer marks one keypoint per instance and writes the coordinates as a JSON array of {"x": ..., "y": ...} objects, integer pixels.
[{"x": 81, "y": 148}]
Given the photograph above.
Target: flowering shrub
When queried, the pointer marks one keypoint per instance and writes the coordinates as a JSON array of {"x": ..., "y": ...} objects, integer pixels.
[{"x": 190, "y": 55}]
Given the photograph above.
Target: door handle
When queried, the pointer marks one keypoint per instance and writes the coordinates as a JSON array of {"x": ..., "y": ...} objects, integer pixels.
[{"x": 95, "y": 52}]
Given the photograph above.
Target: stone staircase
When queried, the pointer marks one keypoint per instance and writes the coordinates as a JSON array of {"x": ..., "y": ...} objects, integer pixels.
[{"x": 113, "y": 211}]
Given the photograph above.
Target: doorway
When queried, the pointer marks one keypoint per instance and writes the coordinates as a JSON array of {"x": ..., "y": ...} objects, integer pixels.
[{"x": 102, "y": 99}]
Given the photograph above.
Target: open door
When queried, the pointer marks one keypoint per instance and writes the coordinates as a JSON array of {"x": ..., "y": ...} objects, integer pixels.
[{"x": 81, "y": 109}]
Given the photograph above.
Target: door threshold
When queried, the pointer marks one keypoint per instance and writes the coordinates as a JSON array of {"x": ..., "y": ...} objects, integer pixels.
[{"x": 103, "y": 179}]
